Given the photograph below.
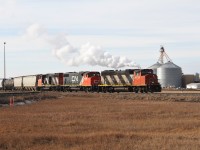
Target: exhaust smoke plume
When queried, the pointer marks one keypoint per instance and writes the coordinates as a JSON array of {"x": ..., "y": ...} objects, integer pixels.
[{"x": 87, "y": 54}]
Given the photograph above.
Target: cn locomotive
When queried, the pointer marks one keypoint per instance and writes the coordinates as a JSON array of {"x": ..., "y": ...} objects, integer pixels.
[{"x": 130, "y": 80}]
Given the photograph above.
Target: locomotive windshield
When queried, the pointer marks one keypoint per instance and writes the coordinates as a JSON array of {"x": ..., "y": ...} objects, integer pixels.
[
  {"x": 146, "y": 71},
  {"x": 92, "y": 74}
]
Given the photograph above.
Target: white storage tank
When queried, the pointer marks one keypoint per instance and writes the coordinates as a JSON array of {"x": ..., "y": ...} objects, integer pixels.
[
  {"x": 155, "y": 67},
  {"x": 193, "y": 86},
  {"x": 170, "y": 75}
]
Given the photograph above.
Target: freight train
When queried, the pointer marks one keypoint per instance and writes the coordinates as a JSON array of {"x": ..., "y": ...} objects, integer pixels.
[{"x": 131, "y": 80}]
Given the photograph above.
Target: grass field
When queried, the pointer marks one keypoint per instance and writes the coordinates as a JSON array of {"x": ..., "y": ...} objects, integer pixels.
[{"x": 92, "y": 121}]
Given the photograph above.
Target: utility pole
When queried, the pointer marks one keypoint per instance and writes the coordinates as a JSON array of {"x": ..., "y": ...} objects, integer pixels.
[
  {"x": 4, "y": 65},
  {"x": 4, "y": 60}
]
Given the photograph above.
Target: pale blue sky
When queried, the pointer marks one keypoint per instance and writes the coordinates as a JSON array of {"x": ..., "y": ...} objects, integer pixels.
[{"x": 131, "y": 28}]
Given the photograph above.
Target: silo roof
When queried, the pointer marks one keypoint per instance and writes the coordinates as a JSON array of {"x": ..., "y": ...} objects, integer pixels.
[
  {"x": 155, "y": 66},
  {"x": 169, "y": 65}
]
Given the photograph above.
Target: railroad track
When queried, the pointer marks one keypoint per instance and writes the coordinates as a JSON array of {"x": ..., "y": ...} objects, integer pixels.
[
  {"x": 11, "y": 93},
  {"x": 15, "y": 93}
]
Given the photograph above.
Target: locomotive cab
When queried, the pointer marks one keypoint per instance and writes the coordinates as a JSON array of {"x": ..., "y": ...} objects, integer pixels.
[
  {"x": 146, "y": 81},
  {"x": 91, "y": 79}
]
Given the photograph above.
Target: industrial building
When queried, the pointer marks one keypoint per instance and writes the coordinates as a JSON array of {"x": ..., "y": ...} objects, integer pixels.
[{"x": 187, "y": 79}]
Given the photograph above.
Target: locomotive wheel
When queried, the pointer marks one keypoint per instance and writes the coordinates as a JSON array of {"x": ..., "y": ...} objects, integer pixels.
[
  {"x": 141, "y": 90},
  {"x": 136, "y": 90},
  {"x": 111, "y": 90},
  {"x": 130, "y": 89},
  {"x": 86, "y": 90}
]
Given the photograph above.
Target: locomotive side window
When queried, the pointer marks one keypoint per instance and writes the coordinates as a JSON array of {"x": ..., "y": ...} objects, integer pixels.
[
  {"x": 90, "y": 74},
  {"x": 66, "y": 75},
  {"x": 137, "y": 73}
]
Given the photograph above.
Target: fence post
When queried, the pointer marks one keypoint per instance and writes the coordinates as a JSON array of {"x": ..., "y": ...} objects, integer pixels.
[{"x": 12, "y": 101}]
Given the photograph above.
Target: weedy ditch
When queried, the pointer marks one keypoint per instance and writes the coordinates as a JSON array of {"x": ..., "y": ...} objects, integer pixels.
[{"x": 22, "y": 99}]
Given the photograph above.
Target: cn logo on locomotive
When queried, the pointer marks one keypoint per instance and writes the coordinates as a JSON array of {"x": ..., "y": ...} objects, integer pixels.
[{"x": 74, "y": 78}]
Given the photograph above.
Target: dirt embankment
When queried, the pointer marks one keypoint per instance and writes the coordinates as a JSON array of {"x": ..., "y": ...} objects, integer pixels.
[
  {"x": 164, "y": 96},
  {"x": 174, "y": 97}
]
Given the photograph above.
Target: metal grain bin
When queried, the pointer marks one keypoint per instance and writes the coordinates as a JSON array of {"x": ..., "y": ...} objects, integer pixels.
[
  {"x": 170, "y": 75},
  {"x": 155, "y": 67}
]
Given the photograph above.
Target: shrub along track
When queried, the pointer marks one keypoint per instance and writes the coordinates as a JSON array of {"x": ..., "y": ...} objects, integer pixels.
[{"x": 24, "y": 96}]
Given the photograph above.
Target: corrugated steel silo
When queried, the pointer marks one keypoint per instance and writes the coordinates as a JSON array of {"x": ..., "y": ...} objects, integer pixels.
[
  {"x": 170, "y": 75},
  {"x": 155, "y": 67}
]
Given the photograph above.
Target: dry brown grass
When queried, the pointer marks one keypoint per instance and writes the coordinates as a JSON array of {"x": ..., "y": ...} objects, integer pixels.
[{"x": 85, "y": 121}]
